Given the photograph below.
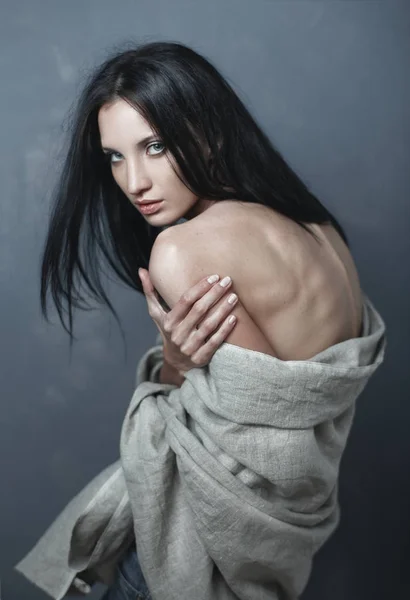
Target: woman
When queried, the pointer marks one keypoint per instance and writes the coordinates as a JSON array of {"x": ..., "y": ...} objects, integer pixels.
[{"x": 160, "y": 136}]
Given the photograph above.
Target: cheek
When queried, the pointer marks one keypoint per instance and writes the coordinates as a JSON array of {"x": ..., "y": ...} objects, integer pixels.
[
  {"x": 167, "y": 174},
  {"x": 174, "y": 184},
  {"x": 118, "y": 178}
]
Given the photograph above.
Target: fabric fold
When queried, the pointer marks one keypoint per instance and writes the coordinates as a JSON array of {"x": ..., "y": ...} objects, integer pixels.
[
  {"x": 94, "y": 530},
  {"x": 229, "y": 483},
  {"x": 234, "y": 484}
]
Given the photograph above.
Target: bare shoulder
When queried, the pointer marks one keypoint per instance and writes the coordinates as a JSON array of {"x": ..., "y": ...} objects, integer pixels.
[
  {"x": 224, "y": 240},
  {"x": 224, "y": 224},
  {"x": 226, "y": 237},
  {"x": 298, "y": 295},
  {"x": 229, "y": 238}
]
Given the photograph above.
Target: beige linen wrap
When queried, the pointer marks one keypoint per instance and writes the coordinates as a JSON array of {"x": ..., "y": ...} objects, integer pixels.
[{"x": 229, "y": 483}]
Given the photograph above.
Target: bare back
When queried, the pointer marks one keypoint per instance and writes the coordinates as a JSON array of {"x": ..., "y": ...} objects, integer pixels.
[{"x": 317, "y": 285}]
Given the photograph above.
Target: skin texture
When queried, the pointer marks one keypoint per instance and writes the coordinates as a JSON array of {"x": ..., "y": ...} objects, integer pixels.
[
  {"x": 145, "y": 172},
  {"x": 296, "y": 297},
  {"x": 190, "y": 334}
]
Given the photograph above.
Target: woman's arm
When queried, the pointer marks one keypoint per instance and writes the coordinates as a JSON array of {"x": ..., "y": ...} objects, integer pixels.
[
  {"x": 173, "y": 268},
  {"x": 168, "y": 374}
]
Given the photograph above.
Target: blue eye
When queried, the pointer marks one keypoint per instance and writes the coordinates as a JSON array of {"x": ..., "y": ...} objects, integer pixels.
[
  {"x": 114, "y": 157},
  {"x": 157, "y": 144}
]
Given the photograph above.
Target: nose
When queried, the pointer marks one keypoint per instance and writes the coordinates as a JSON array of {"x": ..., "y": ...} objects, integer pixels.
[{"x": 137, "y": 178}]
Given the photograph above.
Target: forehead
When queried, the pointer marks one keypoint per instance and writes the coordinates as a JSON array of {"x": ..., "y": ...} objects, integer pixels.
[{"x": 120, "y": 118}]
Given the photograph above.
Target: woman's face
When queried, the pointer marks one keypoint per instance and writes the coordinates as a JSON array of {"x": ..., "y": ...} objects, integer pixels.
[{"x": 140, "y": 166}]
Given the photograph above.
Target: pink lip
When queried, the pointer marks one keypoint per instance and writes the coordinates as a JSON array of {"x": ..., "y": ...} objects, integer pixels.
[{"x": 149, "y": 208}]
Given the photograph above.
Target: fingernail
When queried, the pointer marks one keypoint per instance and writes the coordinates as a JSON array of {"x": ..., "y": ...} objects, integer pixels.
[
  {"x": 213, "y": 278},
  {"x": 225, "y": 281},
  {"x": 82, "y": 586}
]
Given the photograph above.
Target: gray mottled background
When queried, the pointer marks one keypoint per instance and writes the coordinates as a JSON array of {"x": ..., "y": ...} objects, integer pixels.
[{"x": 329, "y": 82}]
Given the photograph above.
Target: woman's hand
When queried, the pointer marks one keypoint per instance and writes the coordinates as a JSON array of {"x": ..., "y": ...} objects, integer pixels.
[{"x": 191, "y": 336}]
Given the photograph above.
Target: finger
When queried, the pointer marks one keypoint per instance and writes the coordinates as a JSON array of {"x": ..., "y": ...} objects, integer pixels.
[
  {"x": 204, "y": 354},
  {"x": 150, "y": 293},
  {"x": 217, "y": 314},
  {"x": 146, "y": 281},
  {"x": 202, "y": 307},
  {"x": 213, "y": 319},
  {"x": 81, "y": 586},
  {"x": 189, "y": 297}
]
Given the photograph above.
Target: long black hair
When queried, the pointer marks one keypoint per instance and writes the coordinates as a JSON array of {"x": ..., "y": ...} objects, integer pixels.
[{"x": 219, "y": 148}]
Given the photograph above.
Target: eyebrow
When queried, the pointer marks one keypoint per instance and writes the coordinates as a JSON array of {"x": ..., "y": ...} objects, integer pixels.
[{"x": 141, "y": 143}]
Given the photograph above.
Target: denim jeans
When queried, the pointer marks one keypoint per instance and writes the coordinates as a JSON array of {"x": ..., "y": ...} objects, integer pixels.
[{"x": 129, "y": 582}]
